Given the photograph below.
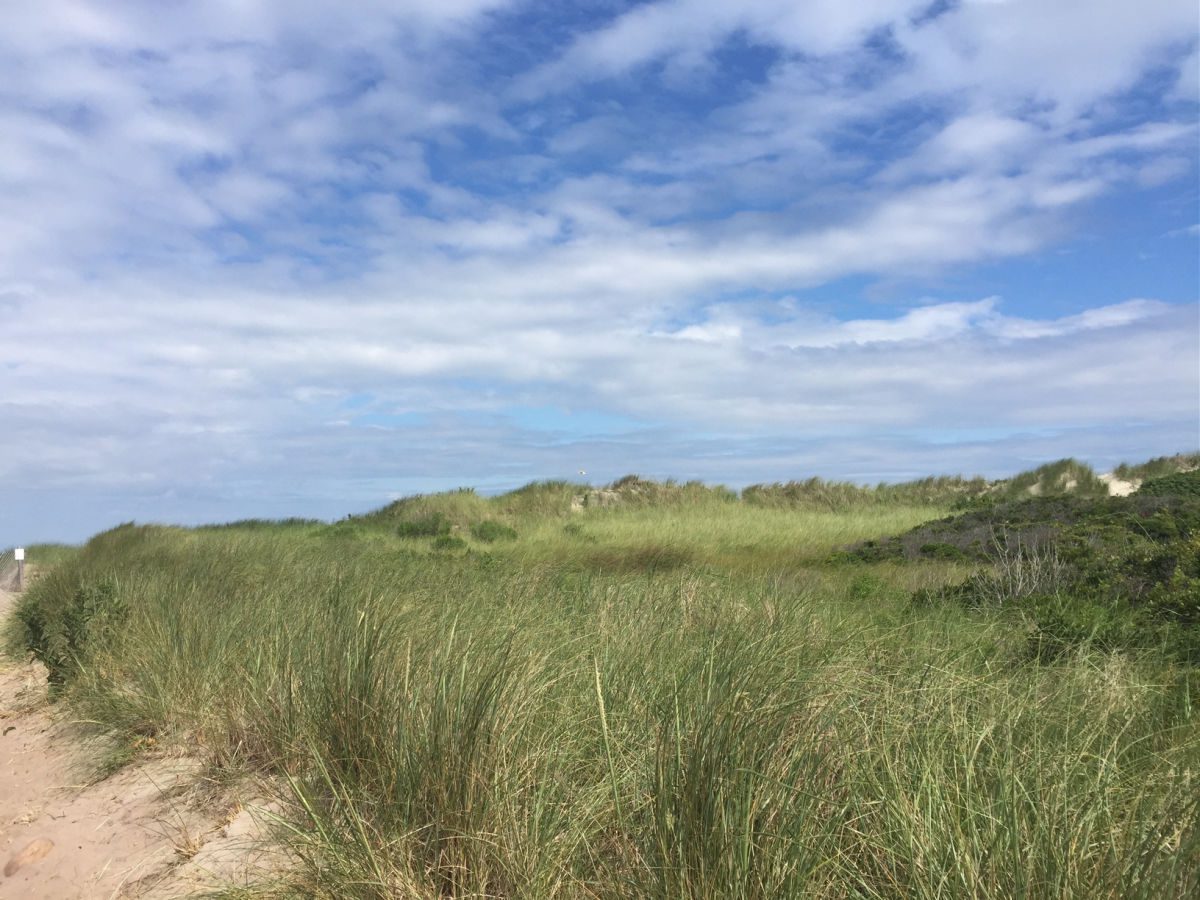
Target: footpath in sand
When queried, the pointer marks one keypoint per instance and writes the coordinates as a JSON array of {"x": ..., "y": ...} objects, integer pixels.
[{"x": 155, "y": 829}]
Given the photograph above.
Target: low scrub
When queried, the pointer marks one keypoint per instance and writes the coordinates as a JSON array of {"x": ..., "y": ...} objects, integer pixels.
[
  {"x": 489, "y": 531},
  {"x": 58, "y": 632},
  {"x": 648, "y": 558},
  {"x": 433, "y": 525},
  {"x": 1117, "y": 573},
  {"x": 1178, "y": 484}
]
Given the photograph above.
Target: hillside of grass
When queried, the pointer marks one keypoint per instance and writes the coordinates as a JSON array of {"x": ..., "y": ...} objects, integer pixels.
[
  {"x": 1158, "y": 467},
  {"x": 434, "y": 515},
  {"x": 666, "y": 690}
]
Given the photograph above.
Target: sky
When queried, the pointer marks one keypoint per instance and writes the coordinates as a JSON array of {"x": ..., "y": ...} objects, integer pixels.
[{"x": 301, "y": 258}]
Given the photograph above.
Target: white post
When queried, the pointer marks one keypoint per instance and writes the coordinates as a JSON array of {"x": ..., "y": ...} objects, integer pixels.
[{"x": 19, "y": 554}]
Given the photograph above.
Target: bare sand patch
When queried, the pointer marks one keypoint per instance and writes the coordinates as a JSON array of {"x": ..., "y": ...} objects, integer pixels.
[
  {"x": 156, "y": 828},
  {"x": 1118, "y": 487}
]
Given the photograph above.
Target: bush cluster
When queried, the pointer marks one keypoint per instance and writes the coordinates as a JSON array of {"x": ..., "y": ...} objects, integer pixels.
[
  {"x": 433, "y": 525},
  {"x": 1180, "y": 484},
  {"x": 58, "y": 627},
  {"x": 1114, "y": 573},
  {"x": 489, "y": 531}
]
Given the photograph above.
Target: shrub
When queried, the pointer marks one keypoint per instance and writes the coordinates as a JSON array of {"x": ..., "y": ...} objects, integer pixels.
[
  {"x": 1113, "y": 573},
  {"x": 57, "y": 628},
  {"x": 490, "y": 531},
  {"x": 647, "y": 558},
  {"x": 1060, "y": 624},
  {"x": 448, "y": 542},
  {"x": 1180, "y": 484},
  {"x": 433, "y": 525}
]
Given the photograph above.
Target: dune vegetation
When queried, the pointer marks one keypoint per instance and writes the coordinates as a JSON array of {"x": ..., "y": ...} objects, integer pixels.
[{"x": 673, "y": 690}]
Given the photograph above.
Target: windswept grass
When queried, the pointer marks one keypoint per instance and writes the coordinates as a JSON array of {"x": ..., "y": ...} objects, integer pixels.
[
  {"x": 816, "y": 493},
  {"x": 1158, "y": 467},
  {"x": 678, "y": 700},
  {"x": 1066, "y": 476}
]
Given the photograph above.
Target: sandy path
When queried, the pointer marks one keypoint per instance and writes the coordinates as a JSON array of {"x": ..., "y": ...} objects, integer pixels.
[{"x": 157, "y": 828}]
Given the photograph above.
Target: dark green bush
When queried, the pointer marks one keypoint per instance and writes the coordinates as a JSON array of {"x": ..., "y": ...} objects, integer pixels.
[
  {"x": 1180, "y": 484},
  {"x": 866, "y": 586},
  {"x": 1116, "y": 573},
  {"x": 646, "y": 558},
  {"x": 1059, "y": 624},
  {"x": 938, "y": 550},
  {"x": 433, "y": 525},
  {"x": 448, "y": 542},
  {"x": 490, "y": 531},
  {"x": 57, "y": 628}
]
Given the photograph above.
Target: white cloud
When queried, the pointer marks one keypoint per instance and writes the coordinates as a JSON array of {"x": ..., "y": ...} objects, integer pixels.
[
  {"x": 221, "y": 223},
  {"x": 1187, "y": 87},
  {"x": 693, "y": 27}
]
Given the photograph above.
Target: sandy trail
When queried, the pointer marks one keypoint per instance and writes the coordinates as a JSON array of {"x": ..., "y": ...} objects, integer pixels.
[{"x": 156, "y": 828}]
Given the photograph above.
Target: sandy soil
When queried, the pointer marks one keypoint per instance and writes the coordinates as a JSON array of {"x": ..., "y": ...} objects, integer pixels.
[
  {"x": 1117, "y": 487},
  {"x": 157, "y": 828}
]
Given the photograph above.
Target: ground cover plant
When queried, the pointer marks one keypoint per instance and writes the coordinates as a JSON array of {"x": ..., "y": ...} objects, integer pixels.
[
  {"x": 1119, "y": 573},
  {"x": 679, "y": 693}
]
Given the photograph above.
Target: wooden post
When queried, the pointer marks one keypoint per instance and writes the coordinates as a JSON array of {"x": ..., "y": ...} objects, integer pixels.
[{"x": 19, "y": 553}]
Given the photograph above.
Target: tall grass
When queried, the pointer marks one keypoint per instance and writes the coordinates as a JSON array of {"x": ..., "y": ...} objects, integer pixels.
[
  {"x": 1158, "y": 467},
  {"x": 543, "y": 718},
  {"x": 818, "y": 493}
]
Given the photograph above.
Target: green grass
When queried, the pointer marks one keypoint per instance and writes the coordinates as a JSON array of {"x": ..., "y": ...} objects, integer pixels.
[
  {"x": 1158, "y": 467},
  {"x": 1062, "y": 476},
  {"x": 40, "y": 555},
  {"x": 678, "y": 697}
]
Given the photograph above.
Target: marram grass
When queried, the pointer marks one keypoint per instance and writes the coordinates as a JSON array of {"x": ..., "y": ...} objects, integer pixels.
[{"x": 686, "y": 702}]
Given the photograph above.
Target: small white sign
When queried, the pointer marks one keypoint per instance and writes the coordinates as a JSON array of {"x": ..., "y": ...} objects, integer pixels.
[{"x": 19, "y": 553}]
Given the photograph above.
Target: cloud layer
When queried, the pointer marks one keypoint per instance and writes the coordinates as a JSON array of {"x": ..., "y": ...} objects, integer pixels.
[{"x": 275, "y": 258}]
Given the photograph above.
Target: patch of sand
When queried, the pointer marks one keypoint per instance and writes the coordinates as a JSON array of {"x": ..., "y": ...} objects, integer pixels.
[
  {"x": 155, "y": 829},
  {"x": 1117, "y": 487}
]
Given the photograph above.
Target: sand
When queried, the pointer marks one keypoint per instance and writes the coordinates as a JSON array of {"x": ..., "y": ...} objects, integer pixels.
[
  {"x": 156, "y": 828},
  {"x": 1117, "y": 487}
]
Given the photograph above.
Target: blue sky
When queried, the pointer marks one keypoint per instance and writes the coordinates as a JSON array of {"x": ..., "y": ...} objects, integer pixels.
[{"x": 267, "y": 258}]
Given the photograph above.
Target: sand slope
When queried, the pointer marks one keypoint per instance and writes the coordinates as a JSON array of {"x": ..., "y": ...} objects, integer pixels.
[{"x": 156, "y": 828}]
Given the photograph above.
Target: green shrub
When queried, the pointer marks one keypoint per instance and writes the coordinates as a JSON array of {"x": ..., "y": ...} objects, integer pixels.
[
  {"x": 1060, "y": 624},
  {"x": 433, "y": 525},
  {"x": 1110, "y": 573},
  {"x": 489, "y": 531},
  {"x": 1180, "y": 484},
  {"x": 57, "y": 628},
  {"x": 448, "y": 542},
  {"x": 866, "y": 586},
  {"x": 647, "y": 558}
]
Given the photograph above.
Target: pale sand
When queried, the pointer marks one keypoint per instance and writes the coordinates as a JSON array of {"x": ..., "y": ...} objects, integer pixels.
[
  {"x": 157, "y": 828},
  {"x": 1117, "y": 487}
]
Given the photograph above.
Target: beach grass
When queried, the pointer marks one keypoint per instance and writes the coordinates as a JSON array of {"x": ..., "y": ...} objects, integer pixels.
[{"x": 685, "y": 699}]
